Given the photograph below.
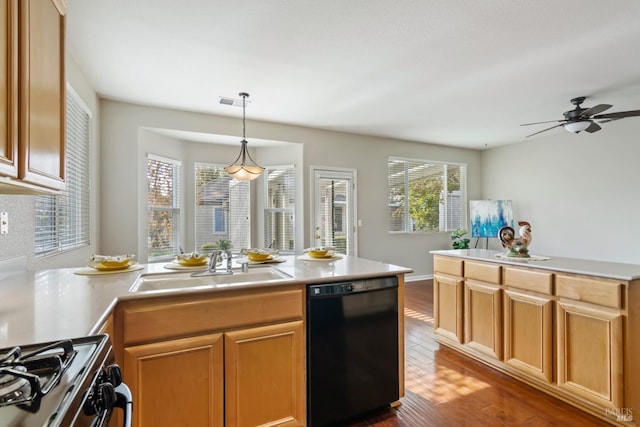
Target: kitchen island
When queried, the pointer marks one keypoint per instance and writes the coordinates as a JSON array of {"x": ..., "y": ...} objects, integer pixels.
[
  {"x": 566, "y": 326},
  {"x": 230, "y": 339}
]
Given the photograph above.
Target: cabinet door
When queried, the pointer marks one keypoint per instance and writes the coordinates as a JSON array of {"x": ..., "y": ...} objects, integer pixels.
[
  {"x": 42, "y": 93},
  {"x": 483, "y": 318},
  {"x": 264, "y": 376},
  {"x": 447, "y": 309},
  {"x": 590, "y": 352},
  {"x": 528, "y": 329},
  {"x": 177, "y": 382},
  {"x": 9, "y": 88}
]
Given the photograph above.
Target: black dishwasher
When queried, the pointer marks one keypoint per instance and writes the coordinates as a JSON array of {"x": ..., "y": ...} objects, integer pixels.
[{"x": 352, "y": 349}]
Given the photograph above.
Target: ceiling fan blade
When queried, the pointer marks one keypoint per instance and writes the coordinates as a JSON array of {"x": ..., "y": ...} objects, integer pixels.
[
  {"x": 610, "y": 120},
  {"x": 544, "y": 130},
  {"x": 539, "y": 123},
  {"x": 618, "y": 115},
  {"x": 593, "y": 127},
  {"x": 597, "y": 109}
]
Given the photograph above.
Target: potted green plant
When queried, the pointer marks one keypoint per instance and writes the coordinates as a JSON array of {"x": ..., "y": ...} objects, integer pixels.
[
  {"x": 224, "y": 244},
  {"x": 459, "y": 241}
]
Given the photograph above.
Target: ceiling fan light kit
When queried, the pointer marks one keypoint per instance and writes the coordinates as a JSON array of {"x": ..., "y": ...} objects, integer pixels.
[
  {"x": 244, "y": 168},
  {"x": 582, "y": 119},
  {"x": 576, "y": 127}
]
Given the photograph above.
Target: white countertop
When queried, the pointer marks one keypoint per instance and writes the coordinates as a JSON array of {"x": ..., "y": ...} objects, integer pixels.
[
  {"x": 47, "y": 305},
  {"x": 611, "y": 270}
]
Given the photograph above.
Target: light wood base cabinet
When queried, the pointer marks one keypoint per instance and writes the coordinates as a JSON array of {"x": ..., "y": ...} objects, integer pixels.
[
  {"x": 264, "y": 369},
  {"x": 528, "y": 333},
  {"x": 574, "y": 336},
  {"x": 177, "y": 380},
  {"x": 447, "y": 311},
  {"x": 590, "y": 353},
  {"x": 483, "y": 318},
  {"x": 230, "y": 358}
]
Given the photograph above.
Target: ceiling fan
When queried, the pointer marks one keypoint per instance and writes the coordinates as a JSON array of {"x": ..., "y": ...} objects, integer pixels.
[{"x": 580, "y": 119}]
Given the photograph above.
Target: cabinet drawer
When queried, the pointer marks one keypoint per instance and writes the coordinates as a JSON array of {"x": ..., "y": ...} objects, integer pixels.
[
  {"x": 447, "y": 265},
  {"x": 596, "y": 291},
  {"x": 149, "y": 322},
  {"x": 485, "y": 272},
  {"x": 530, "y": 280}
]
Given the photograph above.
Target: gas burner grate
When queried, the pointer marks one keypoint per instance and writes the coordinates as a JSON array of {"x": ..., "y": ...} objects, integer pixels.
[{"x": 27, "y": 377}]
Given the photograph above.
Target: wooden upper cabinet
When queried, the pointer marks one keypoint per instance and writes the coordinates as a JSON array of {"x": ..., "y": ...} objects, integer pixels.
[
  {"x": 9, "y": 88},
  {"x": 32, "y": 95},
  {"x": 41, "y": 103}
]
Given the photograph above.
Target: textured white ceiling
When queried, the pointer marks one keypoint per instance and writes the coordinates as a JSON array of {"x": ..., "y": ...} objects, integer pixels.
[{"x": 457, "y": 72}]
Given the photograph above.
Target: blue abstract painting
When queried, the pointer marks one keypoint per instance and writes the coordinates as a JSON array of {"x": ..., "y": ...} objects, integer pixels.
[{"x": 489, "y": 216}]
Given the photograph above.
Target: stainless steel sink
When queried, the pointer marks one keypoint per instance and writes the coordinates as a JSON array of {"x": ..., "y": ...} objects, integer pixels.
[{"x": 167, "y": 281}]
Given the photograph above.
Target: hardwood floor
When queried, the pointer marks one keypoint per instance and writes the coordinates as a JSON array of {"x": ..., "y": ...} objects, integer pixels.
[{"x": 444, "y": 388}]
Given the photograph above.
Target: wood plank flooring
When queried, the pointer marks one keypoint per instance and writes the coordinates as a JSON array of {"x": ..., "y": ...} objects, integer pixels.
[{"x": 444, "y": 388}]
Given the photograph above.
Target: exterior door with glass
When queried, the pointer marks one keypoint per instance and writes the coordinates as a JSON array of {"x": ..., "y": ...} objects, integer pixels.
[{"x": 334, "y": 209}]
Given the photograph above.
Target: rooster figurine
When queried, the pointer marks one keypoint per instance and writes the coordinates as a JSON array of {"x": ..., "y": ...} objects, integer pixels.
[{"x": 517, "y": 246}]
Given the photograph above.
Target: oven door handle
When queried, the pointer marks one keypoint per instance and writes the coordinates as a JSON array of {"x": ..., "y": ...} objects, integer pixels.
[{"x": 124, "y": 401}]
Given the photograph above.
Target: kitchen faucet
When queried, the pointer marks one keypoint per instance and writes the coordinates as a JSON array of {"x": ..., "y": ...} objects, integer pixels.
[{"x": 216, "y": 255}]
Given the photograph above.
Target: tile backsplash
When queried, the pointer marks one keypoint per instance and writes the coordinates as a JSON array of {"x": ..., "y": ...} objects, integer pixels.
[{"x": 18, "y": 242}]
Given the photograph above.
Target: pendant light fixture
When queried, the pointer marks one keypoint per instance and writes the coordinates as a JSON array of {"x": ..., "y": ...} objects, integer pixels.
[{"x": 244, "y": 167}]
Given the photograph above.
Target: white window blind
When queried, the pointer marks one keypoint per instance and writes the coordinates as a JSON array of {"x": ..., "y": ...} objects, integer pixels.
[
  {"x": 279, "y": 212},
  {"x": 221, "y": 209},
  {"x": 62, "y": 222},
  {"x": 426, "y": 196},
  {"x": 163, "y": 207}
]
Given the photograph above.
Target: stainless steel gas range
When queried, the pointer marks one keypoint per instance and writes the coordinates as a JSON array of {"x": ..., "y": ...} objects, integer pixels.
[{"x": 64, "y": 383}]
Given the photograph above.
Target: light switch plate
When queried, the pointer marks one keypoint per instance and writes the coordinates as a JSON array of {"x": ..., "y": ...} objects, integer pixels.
[{"x": 4, "y": 222}]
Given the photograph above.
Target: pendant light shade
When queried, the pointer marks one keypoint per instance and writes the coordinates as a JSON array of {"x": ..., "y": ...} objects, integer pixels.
[{"x": 244, "y": 167}]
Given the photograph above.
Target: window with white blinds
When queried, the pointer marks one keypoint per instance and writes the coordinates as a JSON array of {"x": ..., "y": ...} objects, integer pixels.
[
  {"x": 426, "y": 196},
  {"x": 279, "y": 212},
  {"x": 62, "y": 222},
  {"x": 163, "y": 207},
  {"x": 221, "y": 209}
]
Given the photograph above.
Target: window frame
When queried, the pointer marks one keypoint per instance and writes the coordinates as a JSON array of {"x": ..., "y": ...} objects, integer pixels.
[
  {"x": 225, "y": 206},
  {"x": 269, "y": 210},
  {"x": 406, "y": 220},
  {"x": 175, "y": 210},
  {"x": 71, "y": 210}
]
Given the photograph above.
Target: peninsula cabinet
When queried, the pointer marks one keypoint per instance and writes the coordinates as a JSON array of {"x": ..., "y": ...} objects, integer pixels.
[
  {"x": 447, "y": 311},
  {"x": 32, "y": 105},
  {"x": 590, "y": 339},
  {"x": 528, "y": 322},
  {"x": 562, "y": 325},
  {"x": 483, "y": 308},
  {"x": 225, "y": 358}
]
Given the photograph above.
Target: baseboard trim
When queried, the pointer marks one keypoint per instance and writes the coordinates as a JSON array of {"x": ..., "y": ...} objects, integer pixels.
[{"x": 417, "y": 278}]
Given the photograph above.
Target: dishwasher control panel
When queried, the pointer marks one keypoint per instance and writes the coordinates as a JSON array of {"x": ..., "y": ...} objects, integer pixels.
[{"x": 342, "y": 288}]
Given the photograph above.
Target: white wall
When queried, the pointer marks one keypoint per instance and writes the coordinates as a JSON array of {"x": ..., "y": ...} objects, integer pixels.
[
  {"x": 580, "y": 192},
  {"x": 122, "y": 199}
]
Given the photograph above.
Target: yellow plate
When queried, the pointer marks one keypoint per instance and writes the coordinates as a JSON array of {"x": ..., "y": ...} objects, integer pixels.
[
  {"x": 320, "y": 254},
  {"x": 254, "y": 256},
  {"x": 102, "y": 267},
  {"x": 192, "y": 262}
]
